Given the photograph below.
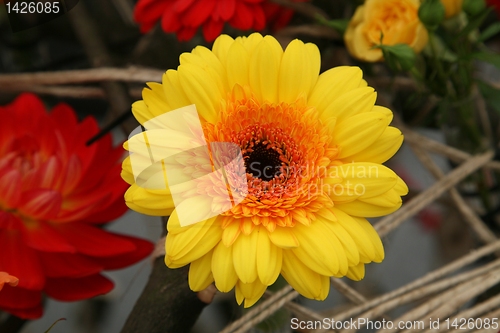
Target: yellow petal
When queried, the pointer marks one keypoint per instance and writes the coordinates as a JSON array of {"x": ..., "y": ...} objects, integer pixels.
[
  {"x": 176, "y": 97},
  {"x": 389, "y": 199},
  {"x": 269, "y": 259},
  {"x": 223, "y": 268},
  {"x": 263, "y": 72},
  {"x": 206, "y": 61},
  {"x": 349, "y": 104},
  {"x": 200, "y": 273},
  {"x": 250, "y": 43},
  {"x": 307, "y": 282},
  {"x": 149, "y": 202},
  {"x": 237, "y": 65},
  {"x": 155, "y": 98},
  {"x": 332, "y": 84},
  {"x": 357, "y": 233},
  {"x": 231, "y": 233},
  {"x": 381, "y": 149},
  {"x": 126, "y": 173},
  {"x": 364, "y": 209},
  {"x": 250, "y": 292},
  {"x": 374, "y": 238},
  {"x": 194, "y": 241},
  {"x": 360, "y": 180},
  {"x": 201, "y": 89},
  {"x": 141, "y": 111},
  {"x": 221, "y": 47},
  {"x": 401, "y": 188},
  {"x": 298, "y": 71},
  {"x": 284, "y": 238},
  {"x": 319, "y": 248},
  {"x": 350, "y": 247},
  {"x": 245, "y": 256},
  {"x": 357, "y": 272},
  {"x": 358, "y": 132}
]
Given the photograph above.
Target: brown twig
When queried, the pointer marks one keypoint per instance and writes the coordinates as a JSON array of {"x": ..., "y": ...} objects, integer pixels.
[
  {"x": 130, "y": 74},
  {"x": 68, "y": 91},
  {"x": 261, "y": 311},
  {"x": 88, "y": 34},
  {"x": 432, "y": 276},
  {"x": 392, "y": 221},
  {"x": 475, "y": 222},
  {"x": 304, "y": 8}
]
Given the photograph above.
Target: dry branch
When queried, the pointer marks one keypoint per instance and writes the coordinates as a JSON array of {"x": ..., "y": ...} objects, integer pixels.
[{"x": 391, "y": 222}]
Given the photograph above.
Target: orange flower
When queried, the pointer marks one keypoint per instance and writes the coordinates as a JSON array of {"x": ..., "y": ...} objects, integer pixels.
[
  {"x": 392, "y": 21},
  {"x": 6, "y": 278}
]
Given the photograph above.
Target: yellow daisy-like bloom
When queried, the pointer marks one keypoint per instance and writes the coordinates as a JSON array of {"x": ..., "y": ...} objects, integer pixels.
[{"x": 324, "y": 141}]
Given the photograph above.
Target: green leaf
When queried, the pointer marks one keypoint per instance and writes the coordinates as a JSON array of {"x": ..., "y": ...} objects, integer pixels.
[
  {"x": 442, "y": 51},
  {"x": 488, "y": 57},
  {"x": 491, "y": 95},
  {"x": 339, "y": 25},
  {"x": 490, "y": 31},
  {"x": 399, "y": 57},
  {"x": 474, "y": 23}
]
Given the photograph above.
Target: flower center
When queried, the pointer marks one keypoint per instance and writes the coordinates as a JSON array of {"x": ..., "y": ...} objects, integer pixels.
[{"x": 262, "y": 161}]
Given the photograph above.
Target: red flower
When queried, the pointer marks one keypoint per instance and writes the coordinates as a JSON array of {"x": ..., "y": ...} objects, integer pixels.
[
  {"x": 54, "y": 193},
  {"x": 496, "y": 4},
  {"x": 184, "y": 17}
]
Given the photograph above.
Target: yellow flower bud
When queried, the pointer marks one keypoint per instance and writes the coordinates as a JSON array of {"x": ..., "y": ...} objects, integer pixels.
[
  {"x": 452, "y": 7},
  {"x": 389, "y": 22}
]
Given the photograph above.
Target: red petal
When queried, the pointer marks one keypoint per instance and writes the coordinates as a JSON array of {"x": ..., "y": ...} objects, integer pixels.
[
  {"x": 58, "y": 265},
  {"x": 10, "y": 188},
  {"x": 259, "y": 18},
  {"x": 65, "y": 119},
  {"x": 29, "y": 111},
  {"x": 77, "y": 208},
  {"x": 49, "y": 174},
  {"x": 186, "y": 33},
  {"x": 7, "y": 129},
  {"x": 94, "y": 241},
  {"x": 78, "y": 288},
  {"x": 20, "y": 260},
  {"x": 224, "y": 10},
  {"x": 20, "y": 302},
  {"x": 243, "y": 16},
  {"x": 198, "y": 13},
  {"x": 41, "y": 204},
  {"x": 28, "y": 313},
  {"x": 182, "y": 5},
  {"x": 42, "y": 237},
  {"x": 143, "y": 249},
  {"x": 148, "y": 12},
  {"x": 212, "y": 29},
  {"x": 9, "y": 221},
  {"x": 112, "y": 212},
  {"x": 73, "y": 170},
  {"x": 170, "y": 20}
]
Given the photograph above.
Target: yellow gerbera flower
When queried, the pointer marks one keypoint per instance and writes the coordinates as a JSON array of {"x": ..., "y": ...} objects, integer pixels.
[{"x": 312, "y": 147}]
